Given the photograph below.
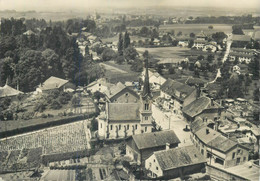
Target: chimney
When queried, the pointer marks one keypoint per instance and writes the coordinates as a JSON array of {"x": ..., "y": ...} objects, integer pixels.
[
  {"x": 198, "y": 91},
  {"x": 207, "y": 130},
  {"x": 167, "y": 147},
  {"x": 212, "y": 102}
]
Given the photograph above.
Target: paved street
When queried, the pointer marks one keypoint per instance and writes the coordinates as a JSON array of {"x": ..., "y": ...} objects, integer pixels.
[{"x": 168, "y": 120}]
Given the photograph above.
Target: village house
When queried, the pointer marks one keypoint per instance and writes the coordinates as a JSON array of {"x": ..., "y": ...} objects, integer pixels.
[
  {"x": 120, "y": 93},
  {"x": 219, "y": 150},
  {"x": 55, "y": 83},
  {"x": 9, "y": 92},
  {"x": 125, "y": 114},
  {"x": 174, "y": 163},
  {"x": 183, "y": 41},
  {"x": 240, "y": 41},
  {"x": 154, "y": 78},
  {"x": 200, "y": 41},
  {"x": 210, "y": 47},
  {"x": 100, "y": 85},
  {"x": 141, "y": 146},
  {"x": 254, "y": 136},
  {"x": 242, "y": 58},
  {"x": 177, "y": 95},
  {"x": 203, "y": 107}
]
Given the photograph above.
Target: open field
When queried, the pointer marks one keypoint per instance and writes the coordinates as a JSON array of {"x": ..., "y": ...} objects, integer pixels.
[
  {"x": 59, "y": 139},
  {"x": 173, "y": 54},
  {"x": 195, "y": 28}
]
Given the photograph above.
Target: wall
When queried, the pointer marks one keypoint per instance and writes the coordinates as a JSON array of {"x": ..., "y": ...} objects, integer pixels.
[
  {"x": 151, "y": 164},
  {"x": 243, "y": 154},
  {"x": 220, "y": 174},
  {"x": 122, "y": 132},
  {"x": 182, "y": 171},
  {"x": 123, "y": 98}
]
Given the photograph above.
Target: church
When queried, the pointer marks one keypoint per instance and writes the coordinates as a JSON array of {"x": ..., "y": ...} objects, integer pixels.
[{"x": 122, "y": 119}]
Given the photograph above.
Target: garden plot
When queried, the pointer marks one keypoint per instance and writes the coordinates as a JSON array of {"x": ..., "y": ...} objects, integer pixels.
[{"x": 60, "y": 139}]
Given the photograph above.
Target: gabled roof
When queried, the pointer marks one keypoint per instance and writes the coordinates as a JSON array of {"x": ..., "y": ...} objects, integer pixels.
[
  {"x": 197, "y": 124},
  {"x": 115, "y": 89},
  {"x": 155, "y": 139},
  {"x": 171, "y": 86},
  {"x": 241, "y": 38},
  {"x": 206, "y": 138},
  {"x": 222, "y": 143},
  {"x": 198, "y": 106},
  {"x": 7, "y": 91},
  {"x": 123, "y": 112},
  {"x": 179, "y": 157},
  {"x": 53, "y": 83}
]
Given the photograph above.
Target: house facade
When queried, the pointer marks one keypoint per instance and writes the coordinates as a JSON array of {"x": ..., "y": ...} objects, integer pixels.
[
  {"x": 177, "y": 95},
  {"x": 218, "y": 149}
]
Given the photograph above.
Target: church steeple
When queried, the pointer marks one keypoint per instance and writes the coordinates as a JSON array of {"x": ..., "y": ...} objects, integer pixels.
[{"x": 146, "y": 88}]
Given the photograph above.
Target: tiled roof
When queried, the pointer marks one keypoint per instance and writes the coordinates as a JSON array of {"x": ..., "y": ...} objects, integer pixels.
[
  {"x": 179, "y": 157},
  {"x": 123, "y": 111},
  {"x": 197, "y": 124},
  {"x": 222, "y": 143},
  {"x": 241, "y": 38},
  {"x": 115, "y": 89},
  {"x": 155, "y": 139},
  {"x": 53, "y": 83},
  {"x": 199, "y": 105},
  {"x": 8, "y": 91},
  {"x": 171, "y": 86},
  {"x": 206, "y": 138}
]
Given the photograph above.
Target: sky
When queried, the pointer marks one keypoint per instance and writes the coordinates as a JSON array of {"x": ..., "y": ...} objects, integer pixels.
[{"x": 61, "y": 5}]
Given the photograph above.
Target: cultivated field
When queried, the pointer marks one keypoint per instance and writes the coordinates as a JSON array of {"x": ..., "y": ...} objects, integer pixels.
[
  {"x": 196, "y": 28},
  {"x": 174, "y": 54},
  {"x": 60, "y": 139}
]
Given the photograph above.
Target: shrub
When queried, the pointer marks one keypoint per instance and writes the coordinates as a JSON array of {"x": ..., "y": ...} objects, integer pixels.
[{"x": 44, "y": 115}]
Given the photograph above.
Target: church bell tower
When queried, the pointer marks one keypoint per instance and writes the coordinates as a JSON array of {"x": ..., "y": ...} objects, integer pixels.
[{"x": 146, "y": 103}]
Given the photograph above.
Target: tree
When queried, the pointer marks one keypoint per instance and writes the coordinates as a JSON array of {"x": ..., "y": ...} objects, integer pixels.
[
  {"x": 120, "y": 45},
  {"x": 179, "y": 33},
  {"x": 126, "y": 40},
  {"x": 192, "y": 35},
  {"x": 210, "y": 27},
  {"x": 130, "y": 53},
  {"x": 108, "y": 54},
  {"x": 237, "y": 29},
  {"x": 120, "y": 59}
]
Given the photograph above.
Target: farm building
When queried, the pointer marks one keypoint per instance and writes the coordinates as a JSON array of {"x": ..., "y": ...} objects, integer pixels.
[
  {"x": 55, "y": 83},
  {"x": 8, "y": 91},
  {"x": 176, "y": 162},
  {"x": 139, "y": 147}
]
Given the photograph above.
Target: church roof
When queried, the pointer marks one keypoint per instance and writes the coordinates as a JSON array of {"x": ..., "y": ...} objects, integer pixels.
[
  {"x": 123, "y": 112},
  {"x": 146, "y": 89}
]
